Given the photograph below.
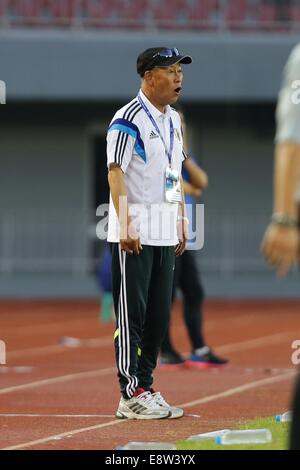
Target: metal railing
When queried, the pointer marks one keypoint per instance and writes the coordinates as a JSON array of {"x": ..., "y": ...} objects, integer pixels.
[
  {"x": 34, "y": 241},
  {"x": 232, "y": 243},
  {"x": 63, "y": 241}
]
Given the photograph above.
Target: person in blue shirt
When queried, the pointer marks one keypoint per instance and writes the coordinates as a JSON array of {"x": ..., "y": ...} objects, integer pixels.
[
  {"x": 187, "y": 278},
  {"x": 103, "y": 278}
]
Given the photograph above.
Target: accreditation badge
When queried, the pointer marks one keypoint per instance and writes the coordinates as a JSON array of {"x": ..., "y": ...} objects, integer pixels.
[{"x": 172, "y": 185}]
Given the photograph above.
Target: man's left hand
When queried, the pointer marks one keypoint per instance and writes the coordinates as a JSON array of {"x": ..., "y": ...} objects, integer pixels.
[
  {"x": 183, "y": 231},
  {"x": 280, "y": 247}
]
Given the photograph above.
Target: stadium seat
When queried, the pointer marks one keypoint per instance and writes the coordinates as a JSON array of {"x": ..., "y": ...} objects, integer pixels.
[
  {"x": 294, "y": 13},
  {"x": 237, "y": 14},
  {"x": 133, "y": 8},
  {"x": 274, "y": 17},
  {"x": 244, "y": 15},
  {"x": 99, "y": 10},
  {"x": 133, "y": 13},
  {"x": 23, "y": 12},
  {"x": 3, "y": 8},
  {"x": 201, "y": 12},
  {"x": 164, "y": 14},
  {"x": 267, "y": 13},
  {"x": 63, "y": 10},
  {"x": 236, "y": 11},
  {"x": 44, "y": 8},
  {"x": 93, "y": 9}
]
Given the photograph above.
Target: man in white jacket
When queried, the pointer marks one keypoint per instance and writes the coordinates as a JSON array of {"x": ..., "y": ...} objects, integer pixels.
[{"x": 281, "y": 241}]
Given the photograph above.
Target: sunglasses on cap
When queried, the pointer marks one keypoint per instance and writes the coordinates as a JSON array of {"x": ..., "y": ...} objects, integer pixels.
[{"x": 174, "y": 52}]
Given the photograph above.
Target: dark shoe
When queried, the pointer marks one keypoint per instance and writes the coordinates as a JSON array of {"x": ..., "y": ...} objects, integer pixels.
[
  {"x": 171, "y": 361},
  {"x": 206, "y": 360}
]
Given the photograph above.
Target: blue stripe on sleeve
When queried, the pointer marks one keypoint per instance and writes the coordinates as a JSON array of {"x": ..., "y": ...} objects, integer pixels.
[{"x": 131, "y": 129}]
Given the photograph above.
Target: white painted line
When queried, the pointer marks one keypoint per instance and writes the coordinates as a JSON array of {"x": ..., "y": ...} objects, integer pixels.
[
  {"x": 258, "y": 342},
  {"x": 30, "y": 329},
  {"x": 16, "y": 370},
  {"x": 64, "y": 434},
  {"x": 59, "y": 348},
  {"x": 35, "y": 415},
  {"x": 52, "y": 349},
  {"x": 240, "y": 389},
  {"x": 94, "y": 342},
  {"x": 226, "y": 393},
  {"x": 108, "y": 341},
  {"x": 56, "y": 380},
  {"x": 244, "y": 345},
  {"x": 236, "y": 320},
  {"x": 30, "y": 326}
]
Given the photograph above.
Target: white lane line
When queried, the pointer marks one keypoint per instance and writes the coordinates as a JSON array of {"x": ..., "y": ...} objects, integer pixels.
[
  {"x": 245, "y": 345},
  {"x": 107, "y": 341},
  {"x": 239, "y": 389},
  {"x": 52, "y": 349},
  {"x": 36, "y": 415},
  {"x": 77, "y": 321},
  {"x": 240, "y": 320},
  {"x": 61, "y": 348},
  {"x": 101, "y": 342},
  {"x": 226, "y": 393},
  {"x": 58, "y": 348},
  {"x": 64, "y": 434},
  {"x": 56, "y": 380},
  {"x": 32, "y": 330},
  {"x": 258, "y": 342}
]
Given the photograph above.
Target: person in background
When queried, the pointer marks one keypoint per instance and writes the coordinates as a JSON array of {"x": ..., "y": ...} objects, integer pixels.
[
  {"x": 280, "y": 245},
  {"x": 103, "y": 276},
  {"x": 187, "y": 278}
]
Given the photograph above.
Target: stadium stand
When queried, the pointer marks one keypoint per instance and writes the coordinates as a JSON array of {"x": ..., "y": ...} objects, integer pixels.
[{"x": 247, "y": 15}]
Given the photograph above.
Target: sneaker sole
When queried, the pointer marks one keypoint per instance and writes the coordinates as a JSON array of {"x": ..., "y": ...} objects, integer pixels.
[
  {"x": 174, "y": 412},
  {"x": 176, "y": 415},
  {"x": 203, "y": 365},
  {"x": 171, "y": 366},
  {"x": 120, "y": 415}
]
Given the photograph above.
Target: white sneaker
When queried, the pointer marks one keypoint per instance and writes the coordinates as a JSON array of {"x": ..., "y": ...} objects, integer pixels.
[
  {"x": 174, "y": 411},
  {"x": 141, "y": 406}
]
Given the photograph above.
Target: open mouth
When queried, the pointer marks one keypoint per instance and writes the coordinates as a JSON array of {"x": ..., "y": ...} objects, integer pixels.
[{"x": 177, "y": 90}]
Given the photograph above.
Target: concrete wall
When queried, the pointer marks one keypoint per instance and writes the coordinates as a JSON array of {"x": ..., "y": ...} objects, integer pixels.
[
  {"x": 60, "y": 85},
  {"x": 101, "y": 66},
  {"x": 42, "y": 166},
  {"x": 47, "y": 221}
]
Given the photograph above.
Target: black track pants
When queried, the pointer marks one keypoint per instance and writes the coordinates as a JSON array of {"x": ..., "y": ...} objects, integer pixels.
[
  {"x": 142, "y": 291},
  {"x": 187, "y": 278}
]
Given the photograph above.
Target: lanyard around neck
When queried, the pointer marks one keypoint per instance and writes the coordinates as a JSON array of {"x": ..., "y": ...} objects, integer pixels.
[{"x": 169, "y": 151}]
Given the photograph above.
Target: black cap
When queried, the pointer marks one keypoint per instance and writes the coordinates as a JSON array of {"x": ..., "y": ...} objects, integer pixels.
[{"x": 160, "y": 57}]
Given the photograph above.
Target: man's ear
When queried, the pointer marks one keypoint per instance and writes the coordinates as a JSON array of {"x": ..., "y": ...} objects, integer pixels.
[{"x": 148, "y": 77}]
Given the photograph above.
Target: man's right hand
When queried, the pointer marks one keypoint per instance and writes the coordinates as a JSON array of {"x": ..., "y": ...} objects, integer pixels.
[
  {"x": 280, "y": 247},
  {"x": 132, "y": 244}
]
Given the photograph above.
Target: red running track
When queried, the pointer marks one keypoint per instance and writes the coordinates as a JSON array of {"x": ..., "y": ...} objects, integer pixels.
[{"x": 58, "y": 397}]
